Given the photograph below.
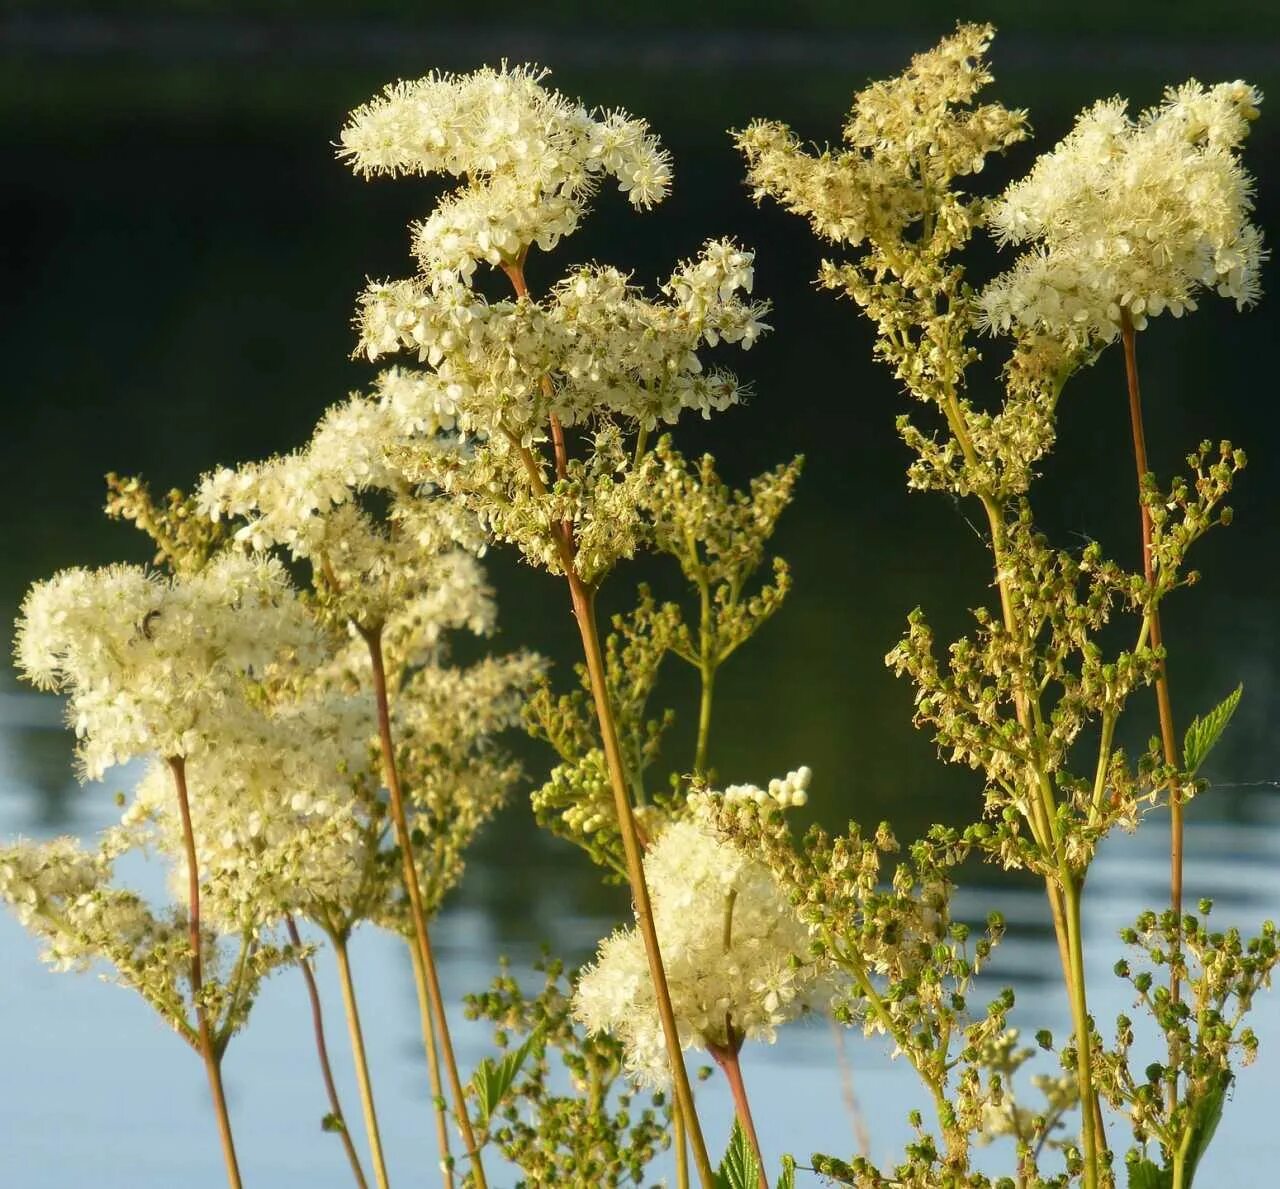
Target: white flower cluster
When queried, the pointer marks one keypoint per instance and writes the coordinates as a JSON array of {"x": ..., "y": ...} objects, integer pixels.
[
  {"x": 595, "y": 345},
  {"x": 412, "y": 566},
  {"x": 1133, "y": 215},
  {"x": 153, "y": 666},
  {"x": 275, "y": 825},
  {"x": 788, "y": 792},
  {"x": 735, "y": 952},
  {"x": 529, "y": 160}
]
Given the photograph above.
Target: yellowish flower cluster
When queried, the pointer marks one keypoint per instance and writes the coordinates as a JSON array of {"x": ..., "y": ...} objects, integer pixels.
[
  {"x": 595, "y": 345},
  {"x": 1131, "y": 215},
  {"x": 529, "y": 160},
  {"x": 907, "y": 137}
]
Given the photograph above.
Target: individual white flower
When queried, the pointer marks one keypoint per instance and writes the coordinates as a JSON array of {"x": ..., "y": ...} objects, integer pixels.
[
  {"x": 1131, "y": 215},
  {"x": 734, "y": 949}
]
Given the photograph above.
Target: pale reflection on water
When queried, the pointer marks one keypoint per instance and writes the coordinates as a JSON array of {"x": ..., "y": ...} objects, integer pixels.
[{"x": 97, "y": 1091}]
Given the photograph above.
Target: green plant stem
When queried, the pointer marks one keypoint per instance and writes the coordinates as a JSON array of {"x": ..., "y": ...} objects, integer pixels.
[
  {"x": 707, "y": 678},
  {"x": 322, "y": 1052},
  {"x": 583, "y": 602},
  {"x": 1164, "y": 705},
  {"x": 1084, "y": 1040},
  {"x": 1041, "y": 825},
  {"x": 1042, "y": 809},
  {"x": 361, "y": 1061},
  {"x": 855, "y": 966},
  {"x": 727, "y": 1058},
  {"x": 212, "y": 1056},
  {"x": 438, "y": 1100},
  {"x": 422, "y": 937}
]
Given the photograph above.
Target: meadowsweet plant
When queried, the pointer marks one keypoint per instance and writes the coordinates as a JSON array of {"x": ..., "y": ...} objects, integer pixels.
[
  {"x": 1127, "y": 219},
  {"x": 558, "y": 396},
  {"x": 314, "y": 760}
]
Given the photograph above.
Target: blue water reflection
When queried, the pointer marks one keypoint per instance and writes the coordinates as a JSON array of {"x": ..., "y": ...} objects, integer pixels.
[{"x": 98, "y": 1092}]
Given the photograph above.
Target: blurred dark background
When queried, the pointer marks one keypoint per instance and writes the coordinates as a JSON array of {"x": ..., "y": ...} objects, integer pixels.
[{"x": 182, "y": 250}]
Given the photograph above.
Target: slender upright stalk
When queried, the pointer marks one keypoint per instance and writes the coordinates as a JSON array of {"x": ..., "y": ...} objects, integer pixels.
[
  {"x": 212, "y": 1056},
  {"x": 707, "y": 678},
  {"x": 427, "y": 971},
  {"x": 583, "y": 601},
  {"x": 322, "y": 1051},
  {"x": 584, "y": 613},
  {"x": 681, "y": 1147},
  {"x": 1041, "y": 817},
  {"x": 438, "y": 1099},
  {"x": 727, "y": 1058},
  {"x": 1168, "y": 739},
  {"x": 361, "y": 1061},
  {"x": 1084, "y": 1041}
]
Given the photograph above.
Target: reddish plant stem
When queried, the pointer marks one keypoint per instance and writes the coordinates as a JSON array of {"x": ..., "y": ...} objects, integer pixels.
[
  {"x": 1164, "y": 705},
  {"x": 727, "y": 1058},
  {"x": 322, "y": 1051},
  {"x": 373, "y": 638},
  {"x": 583, "y": 600},
  {"x": 212, "y": 1058}
]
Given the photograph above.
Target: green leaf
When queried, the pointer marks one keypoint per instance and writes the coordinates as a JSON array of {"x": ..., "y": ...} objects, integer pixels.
[
  {"x": 331, "y": 1122},
  {"x": 1205, "y": 1116},
  {"x": 1204, "y": 1122},
  {"x": 1204, "y": 732},
  {"x": 739, "y": 1168},
  {"x": 492, "y": 1080},
  {"x": 1145, "y": 1175},
  {"x": 788, "y": 1178}
]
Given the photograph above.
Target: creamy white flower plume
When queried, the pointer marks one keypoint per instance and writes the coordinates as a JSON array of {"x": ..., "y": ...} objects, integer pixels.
[
  {"x": 150, "y": 664},
  {"x": 1135, "y": 215},
  {"x": 529, "y": 159},
  {"x": 735, "y": 952}
]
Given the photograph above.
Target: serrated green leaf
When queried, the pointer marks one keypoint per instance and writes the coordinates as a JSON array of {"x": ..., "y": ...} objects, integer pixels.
[
  {"x": 492, "y": 1080},
  {"x": 739, "y": 1169},
  {"x": 1205, "y": 731},
  {"x": 1204, "y": 1122},
  {"x": 1145, "y": 1175}
]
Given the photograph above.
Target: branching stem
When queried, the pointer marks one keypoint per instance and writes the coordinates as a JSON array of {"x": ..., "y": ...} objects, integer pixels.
[
  {"x": 1164, "y": 706},
  {"x": 582, "y": 598}
]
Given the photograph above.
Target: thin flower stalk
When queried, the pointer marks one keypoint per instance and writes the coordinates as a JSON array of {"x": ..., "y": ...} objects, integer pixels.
[
  {"x": 336, "y": 1116},
  {"x": 427, "y": 972},
  {"x": 209, "y": 1050},
  {"x": 1168, "y": 739},
  {"x": 352, "y": 1008},
  {"x": 439, "y": 1102},
  {"x": 583, "y": 602},
  {"x": 727, "y": 1058}
]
